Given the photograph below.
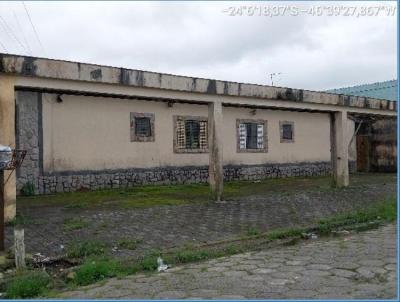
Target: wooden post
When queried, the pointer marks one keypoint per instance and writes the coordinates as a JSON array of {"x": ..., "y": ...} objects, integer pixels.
[
  {"x": 339, "y": 149},
  {"x": 216, "y": 171},
  {"x": 19, "y": 246},
  {"x": 2, "y": 220}
]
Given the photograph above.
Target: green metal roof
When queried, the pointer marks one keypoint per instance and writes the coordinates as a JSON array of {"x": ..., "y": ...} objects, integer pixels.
[{"x": 381, "y": 90}]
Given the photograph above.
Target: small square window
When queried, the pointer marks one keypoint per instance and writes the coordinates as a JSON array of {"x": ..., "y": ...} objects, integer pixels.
[
  {"x": 142, "y": 127},
  {"x": 252, "y": 136},
  {"x": 287, "y": 132},
  {"x": 191, "y": 134}
]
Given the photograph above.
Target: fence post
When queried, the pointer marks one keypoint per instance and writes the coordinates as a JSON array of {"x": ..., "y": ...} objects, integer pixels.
[{"x": 19, "y": 246}]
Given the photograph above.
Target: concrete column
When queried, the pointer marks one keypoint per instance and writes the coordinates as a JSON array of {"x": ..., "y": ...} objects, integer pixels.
[
  {"x": 216, "y": 171},
  {"x": 339, "y": 149},
  {"x": 7, "y": 137}
]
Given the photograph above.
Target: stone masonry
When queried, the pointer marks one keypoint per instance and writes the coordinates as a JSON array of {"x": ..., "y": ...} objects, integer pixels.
[{"x": 28, "y": 112}]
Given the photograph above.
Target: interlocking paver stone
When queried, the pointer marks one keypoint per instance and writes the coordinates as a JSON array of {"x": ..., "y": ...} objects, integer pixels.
[
  {"x": 163, "y": 227},
  {"x": 326, "y": 282}
]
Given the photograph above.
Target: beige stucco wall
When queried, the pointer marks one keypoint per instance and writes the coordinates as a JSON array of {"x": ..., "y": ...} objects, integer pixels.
[{"x": 93, "y": 133}]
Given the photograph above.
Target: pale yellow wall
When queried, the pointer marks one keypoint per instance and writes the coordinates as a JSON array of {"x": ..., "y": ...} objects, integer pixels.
[
  {"x": 92, "y": 133},
  {"x": 311, "y": 137}
]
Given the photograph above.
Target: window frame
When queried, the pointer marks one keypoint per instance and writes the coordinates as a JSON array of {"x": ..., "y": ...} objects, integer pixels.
[
  {"x": 281, "y": 124},
  {"x": 175, "y": 133},
  {"x": 265, "y": 135},
  {"x": 141, "y": 138}
]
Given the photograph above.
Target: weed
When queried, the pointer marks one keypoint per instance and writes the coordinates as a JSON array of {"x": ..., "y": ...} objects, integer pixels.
[
  {"x": 75, "y": 205},
  {"x": 28, "y": 285},
  {"x": 28, "y": 189},
  {"x": 85, "y": 249},
  {"x": 19, "y": 220},
  {"x": 71, "y": 224},
  {"x": 93, "y": 270},
  {"x": 148, "y": 263},
  {"x": 285, "y": 233},
  {"x": 253, "y": 232},
  {"x": 127, "y": 243},
  {"x": 384, "y": 211}
]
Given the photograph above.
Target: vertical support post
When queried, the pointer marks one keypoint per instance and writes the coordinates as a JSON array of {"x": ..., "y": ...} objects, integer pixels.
[
  {"x": 216, "y": 171},
  {"x": 7, "y": 138},
  {"x": 339, "y": 149},
  {"x": 19, "y": 245}
]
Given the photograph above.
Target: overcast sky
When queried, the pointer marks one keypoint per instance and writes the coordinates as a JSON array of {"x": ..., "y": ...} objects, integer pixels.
[{"x": 201, "y": 39}]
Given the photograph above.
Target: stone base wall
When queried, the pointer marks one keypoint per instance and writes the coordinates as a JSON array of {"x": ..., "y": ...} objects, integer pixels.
[{"x": 95, "y": 180}]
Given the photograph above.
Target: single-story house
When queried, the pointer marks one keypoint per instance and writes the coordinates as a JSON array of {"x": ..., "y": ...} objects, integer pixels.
[{"x": 88, "y": 126}]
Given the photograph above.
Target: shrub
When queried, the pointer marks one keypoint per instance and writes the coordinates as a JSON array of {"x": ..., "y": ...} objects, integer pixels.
[{"x": 28, "y": 285}]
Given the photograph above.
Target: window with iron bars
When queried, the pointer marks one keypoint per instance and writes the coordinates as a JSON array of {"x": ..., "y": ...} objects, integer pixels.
[
  {"x": 251, "y": 136},
  {"x": 142, "y": 127},
  {"x": 191, "y": 134}
]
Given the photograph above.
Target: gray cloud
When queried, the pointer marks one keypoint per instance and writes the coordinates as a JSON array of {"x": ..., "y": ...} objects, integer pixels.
[{"x": 199, "y": 39}]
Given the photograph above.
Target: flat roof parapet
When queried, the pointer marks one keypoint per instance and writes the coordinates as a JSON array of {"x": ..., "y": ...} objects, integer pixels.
[{"x": 66, "y": 70}]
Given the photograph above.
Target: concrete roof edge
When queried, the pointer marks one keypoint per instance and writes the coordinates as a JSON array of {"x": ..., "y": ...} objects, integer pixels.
[{"x": 68, "y": 70}]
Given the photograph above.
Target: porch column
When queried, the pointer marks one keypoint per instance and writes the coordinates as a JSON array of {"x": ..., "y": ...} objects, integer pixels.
[
  {"x": 216, "y": 171},
  {"x": 339, "y": 149},
  {"x": 7, "y": 138}
]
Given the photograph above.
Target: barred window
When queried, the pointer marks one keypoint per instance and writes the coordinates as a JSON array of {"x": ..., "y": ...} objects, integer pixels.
[
  {"x": 287, "y": 131},
  {"x": 191, "y": 134},
  {"x": 251, "y": 136},
  {"x": 142, "y": 127}
]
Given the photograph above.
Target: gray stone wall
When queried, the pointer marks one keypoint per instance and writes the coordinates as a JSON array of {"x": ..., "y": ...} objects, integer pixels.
[
  {"x": 28, "y": 121},
  {"x": 95, "y": 180},
  {"x": 29, "y": 137}
]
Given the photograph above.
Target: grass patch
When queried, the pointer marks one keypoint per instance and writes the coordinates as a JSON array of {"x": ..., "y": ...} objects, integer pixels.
[
  {"x": 28, "y": 285},
  {"x": 71, "y": 224},
  {"x": 148, "y": 196},
  {"x": 85, "y": 249},
  {"x": 128, "y": 244},
  {"x": 384, "y": 211},
  {"x": 97, "y": 269},
  {"x": 285, "y": 233},
  {"x": 93, "y": 270}
]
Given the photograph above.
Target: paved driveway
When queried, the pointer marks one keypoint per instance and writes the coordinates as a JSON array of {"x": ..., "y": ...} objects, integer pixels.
[{"x": 359, "y": 266}]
